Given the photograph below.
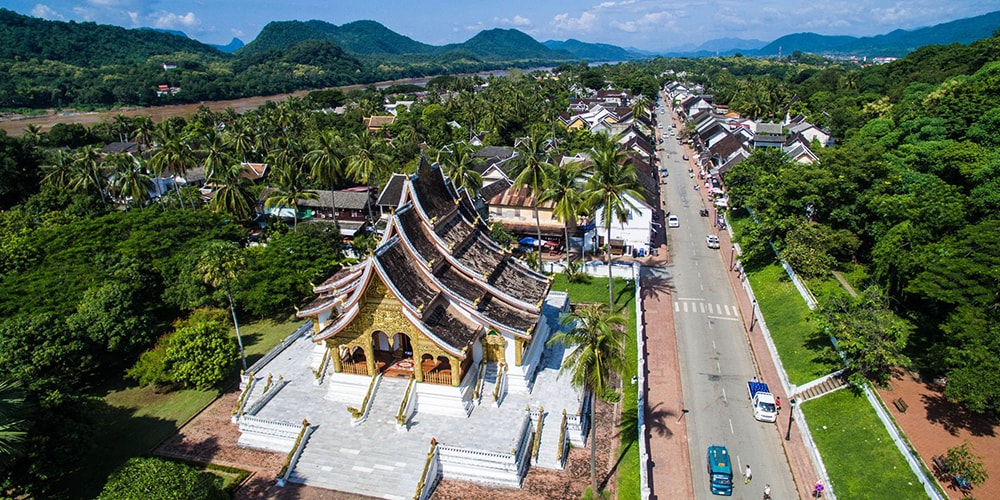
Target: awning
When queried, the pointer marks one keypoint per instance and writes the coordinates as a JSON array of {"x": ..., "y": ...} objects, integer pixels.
[{"x": 528, "y": 241}]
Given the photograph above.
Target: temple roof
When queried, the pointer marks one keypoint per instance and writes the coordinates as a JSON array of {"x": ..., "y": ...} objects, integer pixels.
[{"x": 436, "y": 258}]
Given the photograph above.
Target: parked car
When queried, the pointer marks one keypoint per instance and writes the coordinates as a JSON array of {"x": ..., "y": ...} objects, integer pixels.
[
  {"x": 712, "y": 241},
  {"x": 673, "y": 221}
]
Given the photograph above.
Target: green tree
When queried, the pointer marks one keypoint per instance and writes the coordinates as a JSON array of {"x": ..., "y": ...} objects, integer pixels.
[
  {"x": 868, "y": 333},
  {"x": 962, "y": 463},
  {"x": 221, "y": 264},
  {"x": 532, "y": 172},
  {"x": 233, "y": 194},
  {"x": 13, "y": 419},
  {"x": 461, "y": 169},
  {"x": 174, "y": 158},
  {"x": 563, "y": 190},
  {"x": 130, "y": 182},
  {"x": 596, "y": 359},
  {"x": 143, "y": 478},
  {"x": 200, "y": 355},
  {"x": 289, "y": 188},
  {"x": 612, "y": 182},
  {"x": 327, "y": 162}
]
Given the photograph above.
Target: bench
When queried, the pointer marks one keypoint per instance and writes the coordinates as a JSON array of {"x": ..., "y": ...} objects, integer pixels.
[
  {"x": 900, "y": 405},
  {"x": 940, "y": 465}
]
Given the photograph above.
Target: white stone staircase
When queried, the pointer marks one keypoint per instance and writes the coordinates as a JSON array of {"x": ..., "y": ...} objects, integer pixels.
[
  {"x": 549, "y": 452},
  {"x": 356, "y": 460}
]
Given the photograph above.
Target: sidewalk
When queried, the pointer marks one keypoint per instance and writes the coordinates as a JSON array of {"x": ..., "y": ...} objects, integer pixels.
[
  {"x": 799, "y": 460},
  {"x": 668, "y": 440}
]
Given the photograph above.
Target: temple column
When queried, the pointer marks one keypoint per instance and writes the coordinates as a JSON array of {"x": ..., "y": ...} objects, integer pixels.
[
  {"x": 418, "y": 363},
  {"x": 369, "y": 355},
  {"x": 456, "y": 371},
  {"x": 335, "y": 352},
  {"x": 518, "y": 349},
  {"x": 316, "y": 326}
]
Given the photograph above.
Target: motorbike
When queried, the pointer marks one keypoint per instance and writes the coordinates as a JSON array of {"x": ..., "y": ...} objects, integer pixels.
[{"x": 703, "y": 212}]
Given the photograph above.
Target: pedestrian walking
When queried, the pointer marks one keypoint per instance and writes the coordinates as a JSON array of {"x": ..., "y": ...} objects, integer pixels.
[
  {"x": 767, "y": 492},
  {"x": 747, "y": 475}
]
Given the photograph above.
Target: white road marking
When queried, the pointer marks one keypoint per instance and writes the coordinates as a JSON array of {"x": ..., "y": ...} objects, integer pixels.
[
  {"x": 724, "y": 398},
  {"x": 723, "y": 317},
  {"x": 731, "y": 430}
]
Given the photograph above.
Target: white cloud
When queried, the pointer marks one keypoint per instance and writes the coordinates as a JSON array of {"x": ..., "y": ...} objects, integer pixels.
[
  {"x": 169, "y": 20},
  {"x": 648, "y": 22},
  {"x": 515, "y": 21},
  {"x": 45, "y": 12},
  {"x": 562, "y": 22}
]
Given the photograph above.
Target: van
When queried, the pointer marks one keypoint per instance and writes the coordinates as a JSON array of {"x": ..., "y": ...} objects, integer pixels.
[{"x": 720, "y": 471}]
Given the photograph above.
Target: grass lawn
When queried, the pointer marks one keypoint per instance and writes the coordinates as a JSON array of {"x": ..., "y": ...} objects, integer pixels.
[
  {"x": 627, "y": 467},
  {"x": 806, "y": 352},
  {"x": 859, "y": 455},
  {"x": 132, "y": 420}
]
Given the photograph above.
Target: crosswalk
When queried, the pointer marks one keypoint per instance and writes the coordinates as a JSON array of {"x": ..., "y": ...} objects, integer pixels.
[{"x": 699, "y": 306}]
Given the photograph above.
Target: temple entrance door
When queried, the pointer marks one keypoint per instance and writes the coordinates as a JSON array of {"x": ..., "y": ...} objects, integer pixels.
[
  {"x": 382, "y": 348},
  {"x": 494, "y": 346}
]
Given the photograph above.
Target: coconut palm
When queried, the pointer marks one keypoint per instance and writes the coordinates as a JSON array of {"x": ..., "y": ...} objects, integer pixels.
[
  {"x": 596, "y": 358},
  {"x": 130, "y": 180},
  {"x": 460, "y": 167},
  {"x": 232, "y": 193},
  {"x": 174, "y": 157},
  {"x": 221, "y": 263},
  {"x": 289, "y": 188},
  {"x": 59, "y": 169},
  {"x": 89, "y": 170},
  {"x": 13, "y": 421},
  {"x": 326, "y": 161},
  {"x": 613, "y": 180},
  {"x": 368, "y": 161},
  {"x": 563, "y": 190},
  {"x": 532, "y": 172}
]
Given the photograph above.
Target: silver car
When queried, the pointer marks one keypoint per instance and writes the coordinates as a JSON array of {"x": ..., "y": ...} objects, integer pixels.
[{"x": 712, "y": 241}]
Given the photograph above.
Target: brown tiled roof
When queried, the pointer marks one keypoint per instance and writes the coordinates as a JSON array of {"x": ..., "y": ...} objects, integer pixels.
[
  {"x": 432, "y": 192},
  {"x": 503, "y": 313},
  {"x": 513, "y": 278},
  {"x": 403, "y": 274},
  {"x": 454, "y": 229},
  {"x": 443, "y": 321},
  {"x": 413, "y": 231}
]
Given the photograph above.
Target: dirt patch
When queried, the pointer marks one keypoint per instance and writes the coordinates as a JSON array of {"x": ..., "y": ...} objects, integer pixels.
[{"x": 933, "y": 425}]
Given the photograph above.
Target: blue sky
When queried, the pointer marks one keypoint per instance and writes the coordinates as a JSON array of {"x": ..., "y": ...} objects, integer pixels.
[{"x": 644, "y": 24}]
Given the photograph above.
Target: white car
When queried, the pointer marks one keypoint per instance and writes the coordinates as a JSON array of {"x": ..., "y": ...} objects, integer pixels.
[
  {"x": 673, "y": 221},
  {"x": 712, "y": 241}
]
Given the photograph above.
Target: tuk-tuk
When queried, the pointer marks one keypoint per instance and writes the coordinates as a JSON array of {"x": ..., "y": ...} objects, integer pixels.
[{"x": 720, "y": 471}]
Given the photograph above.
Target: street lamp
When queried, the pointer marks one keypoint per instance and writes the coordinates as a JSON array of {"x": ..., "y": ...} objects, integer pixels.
[
  {"x": 791, "y": 410},
  {"x": 732, "y": 257},
  {"x": 753, "y": 314}
]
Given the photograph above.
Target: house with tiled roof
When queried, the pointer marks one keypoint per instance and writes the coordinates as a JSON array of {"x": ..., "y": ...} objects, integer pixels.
[{"x": 375, "y": 123}]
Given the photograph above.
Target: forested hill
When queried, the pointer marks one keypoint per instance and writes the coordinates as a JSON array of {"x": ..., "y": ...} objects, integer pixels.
[
  {"x": 507, "y": 44},
  {"x": 369, "y": 38},
  {"x": 594, "y": 51},
  {"x": 896, "y": 44},
  {"x": 87, "y": 45},
  {"x": 359, "y": 37}
]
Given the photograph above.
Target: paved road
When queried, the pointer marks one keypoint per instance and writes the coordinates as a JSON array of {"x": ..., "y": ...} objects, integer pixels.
[{"x": 715, "y": 357}]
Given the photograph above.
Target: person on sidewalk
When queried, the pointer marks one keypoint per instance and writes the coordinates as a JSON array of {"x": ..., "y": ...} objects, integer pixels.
[
  {"x": 767, "y": 492},
  {"x": 747, "y": 475}
]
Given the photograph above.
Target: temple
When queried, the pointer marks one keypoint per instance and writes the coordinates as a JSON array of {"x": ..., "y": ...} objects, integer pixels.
[{"x": 440, "y": 329}]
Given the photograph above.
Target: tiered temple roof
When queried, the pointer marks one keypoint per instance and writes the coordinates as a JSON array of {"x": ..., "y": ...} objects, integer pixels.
[{"x": 453, "y": 281}]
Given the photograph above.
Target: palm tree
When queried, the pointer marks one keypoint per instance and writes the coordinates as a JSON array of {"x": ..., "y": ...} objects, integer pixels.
[
  {"x": 614, "y": 180},
  {"x": 289, "y": 189},
  {"x": 60, "y": 169},
  {"x": 232, "y": 193},
  {"x": 326, "y": 160},
  {"x": 368, "y": 161},
  {"x": 460, "y": 167},
  {"x": 175, "y": 156},
  {"x": 563, "y": 191},
  {"x": 596, "y": 358},
  {"x": 14, "y": 410},
  {"x": 533, "y": 172},
  {"x": 143, "y": 131},
  {"x": 130, "y": 179},
  {"x": 221, "y": 264},
  {"x": 89, "y": 170}
]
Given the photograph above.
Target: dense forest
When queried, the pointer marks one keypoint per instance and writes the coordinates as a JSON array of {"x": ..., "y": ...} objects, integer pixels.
[
  {"x": 52, "y": 64},
  {"x": 102, "y": 282}
]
